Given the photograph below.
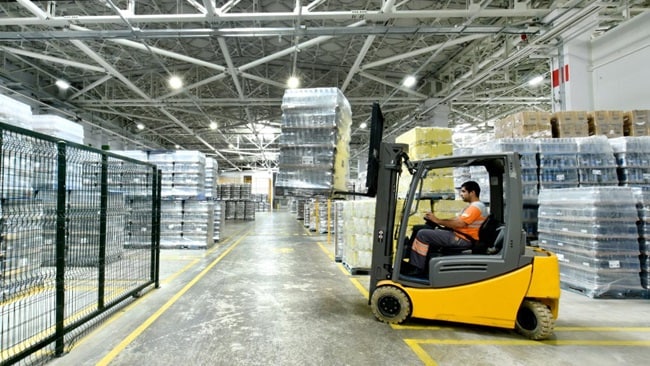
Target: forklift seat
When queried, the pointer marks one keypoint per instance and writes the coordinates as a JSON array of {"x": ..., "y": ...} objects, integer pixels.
[{"x": 490, "y": 237}]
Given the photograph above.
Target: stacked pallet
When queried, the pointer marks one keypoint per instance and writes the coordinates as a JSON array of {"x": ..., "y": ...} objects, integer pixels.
[{"x": 594, "y": 234}]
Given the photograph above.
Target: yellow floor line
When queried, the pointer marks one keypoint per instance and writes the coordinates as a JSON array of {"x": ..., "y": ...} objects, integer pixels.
[
  {"x": 602, "y": 329},
  {"x": 114, "y": 317},
  {"x": 326, "y": 250},
  {"x": 426, "y": 359},
  {"x": 360, "y": 287},
  {"x": 136, "y": 333},
  {"x": 526, "y": 342}
]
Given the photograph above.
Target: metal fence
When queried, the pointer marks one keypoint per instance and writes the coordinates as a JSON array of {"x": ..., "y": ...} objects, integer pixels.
[{"x": 79, "y": 234}]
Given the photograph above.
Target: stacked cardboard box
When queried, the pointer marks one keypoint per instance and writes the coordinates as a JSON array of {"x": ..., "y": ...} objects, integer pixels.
[
  {"x": 426, "y": 143},
  {"x": 531, "y": 124},
  {"x": 358, "y": 225},
  {"x": 608, "y": 123},
  {"x": 570, "y": 124},
  {"x": 523, "y": 124},
  {"x": 636, "y": 123}
]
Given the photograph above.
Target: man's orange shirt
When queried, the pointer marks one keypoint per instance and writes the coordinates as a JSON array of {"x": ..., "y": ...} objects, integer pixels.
[{"x": 471, "y": 215}]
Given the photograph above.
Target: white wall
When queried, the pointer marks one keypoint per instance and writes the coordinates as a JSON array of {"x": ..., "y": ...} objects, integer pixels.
[
  {"x": 578, "y": 88},
  {"x": 620, "y": 64}
]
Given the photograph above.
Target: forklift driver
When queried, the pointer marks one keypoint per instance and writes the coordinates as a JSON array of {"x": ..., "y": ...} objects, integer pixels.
[{"x": 455, "y": 234}]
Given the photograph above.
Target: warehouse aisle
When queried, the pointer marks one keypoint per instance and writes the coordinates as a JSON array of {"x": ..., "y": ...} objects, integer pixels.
[{"x": 271, "y": 294}]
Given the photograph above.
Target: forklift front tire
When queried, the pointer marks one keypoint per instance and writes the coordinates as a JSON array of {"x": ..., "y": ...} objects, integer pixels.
[
  {"x": 390, "y": 304},
  {"x": 534, "y": 320}
]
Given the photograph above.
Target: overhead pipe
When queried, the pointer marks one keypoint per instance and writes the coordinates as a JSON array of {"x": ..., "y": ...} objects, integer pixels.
[
  {"x": 361, "y": 14},
  {"x": 342, "y": 31}
]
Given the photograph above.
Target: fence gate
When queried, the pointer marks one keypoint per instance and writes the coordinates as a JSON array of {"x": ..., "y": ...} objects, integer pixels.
[{"x": 79, "y": 233}]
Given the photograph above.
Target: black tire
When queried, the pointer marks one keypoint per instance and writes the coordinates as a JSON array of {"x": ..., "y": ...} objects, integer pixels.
[
  {"x": 534, "y": 320},
  {"x": 390, "y": 305}
]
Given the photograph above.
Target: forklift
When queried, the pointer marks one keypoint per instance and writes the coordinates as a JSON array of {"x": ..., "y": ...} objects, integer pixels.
[{"x": 502, "y": 283}]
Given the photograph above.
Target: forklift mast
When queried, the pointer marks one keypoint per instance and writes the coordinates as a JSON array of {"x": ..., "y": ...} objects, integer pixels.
[{"x": 391, "y": 159}]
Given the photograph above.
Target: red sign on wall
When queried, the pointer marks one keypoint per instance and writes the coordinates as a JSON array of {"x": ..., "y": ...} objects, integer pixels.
[{"x": 560, "y": 76}]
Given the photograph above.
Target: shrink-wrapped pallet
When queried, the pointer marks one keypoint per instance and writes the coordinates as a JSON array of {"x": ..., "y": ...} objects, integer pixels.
[{"x": 315, "y": 139}]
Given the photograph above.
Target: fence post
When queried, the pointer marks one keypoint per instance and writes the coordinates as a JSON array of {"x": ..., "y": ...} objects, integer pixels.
[
  {"x": 60, "y": 249},
  {"x": 155, "y": 225},
  {"x": 101, "y": 285}
]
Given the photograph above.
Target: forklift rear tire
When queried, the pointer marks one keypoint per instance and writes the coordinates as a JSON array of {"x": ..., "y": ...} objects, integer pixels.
[
  {"x": 534, "y": 320},
  {"x": 390, "y": 305}
]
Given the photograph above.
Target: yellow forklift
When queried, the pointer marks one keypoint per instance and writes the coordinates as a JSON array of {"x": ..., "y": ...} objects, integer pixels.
[{"x": 502, "y": 283}]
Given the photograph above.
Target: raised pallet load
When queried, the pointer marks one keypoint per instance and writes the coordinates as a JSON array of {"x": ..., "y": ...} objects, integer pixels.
[
  {"x": 314, "y": 144},
  {"x": 427, "y": 143}
]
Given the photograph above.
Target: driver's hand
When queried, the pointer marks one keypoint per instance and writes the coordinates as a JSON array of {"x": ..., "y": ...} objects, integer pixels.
[{"x": 430, "y": 216}]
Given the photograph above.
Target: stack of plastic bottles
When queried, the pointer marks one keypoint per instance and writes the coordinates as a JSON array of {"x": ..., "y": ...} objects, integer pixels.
[
  {"x": 594, "y": 234},
  {"x": 60, "y": 127},
  {"x": 558, "y": 163},
  {"x": 596, "y": 162},
  {"x": 211, "y": 174},
  {"x": 315, "y": 139},
  {"x": 527, "y": 149},
  {"x": 643, "y": 208},
  {"x": 633, "y": 159},
  {"x": 183, "y": 173},
  {"x": 15, "y": 113}
]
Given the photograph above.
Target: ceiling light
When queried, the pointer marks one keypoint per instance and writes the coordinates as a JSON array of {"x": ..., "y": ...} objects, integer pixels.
[
  {"x": 363, "y": 125},
  {"x": 409, "y": 81},
  {"x": 177, "y": 147},
  {"x": 62, "y": 84},
  {"x": 140, "y": 126},
  {"x": 536, "y": 80},
  {"x": 231, "y": 146},
  {"x": 213, "y": 125},
  {"x": 293, "y": 82},
  {"x": 175, "y": 82}
]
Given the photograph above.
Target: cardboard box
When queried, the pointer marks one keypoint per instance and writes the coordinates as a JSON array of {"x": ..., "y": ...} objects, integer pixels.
[
  {"x": 607, "y": 123},
  {"x": 636, "y": 123},
  {"x": 425, "y": 135},
  {"x": 570, "y": 124},
  {"x": 530, "y": 124}
]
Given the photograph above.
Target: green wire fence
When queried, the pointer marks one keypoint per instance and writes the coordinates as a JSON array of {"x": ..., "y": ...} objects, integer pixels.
[{"x": 79, "y": 234}]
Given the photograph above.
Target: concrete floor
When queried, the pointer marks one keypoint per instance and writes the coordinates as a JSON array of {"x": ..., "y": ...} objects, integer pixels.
[{"x": 270, "y": 293}]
